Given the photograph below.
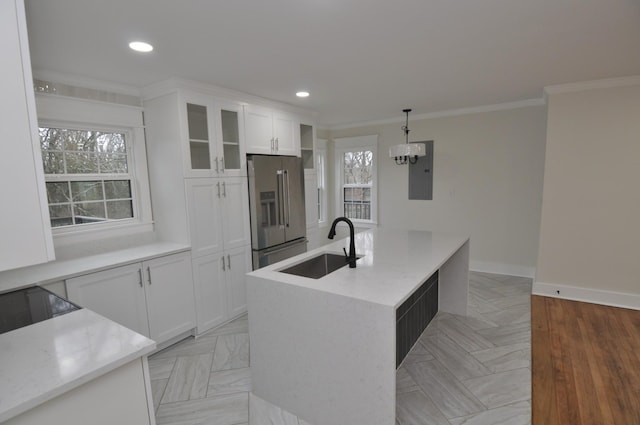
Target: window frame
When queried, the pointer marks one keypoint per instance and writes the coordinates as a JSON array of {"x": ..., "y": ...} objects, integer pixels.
[
  {"x": 79, "y": 177},
  {"x": 322, "y": 183},
  {"x": 74, "y": 113},
  {"x": 351, "y": 144}
]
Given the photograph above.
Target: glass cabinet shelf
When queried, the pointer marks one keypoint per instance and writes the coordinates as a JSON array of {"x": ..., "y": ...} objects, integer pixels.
[
  {"x": 230, "y": 138},
  {"x": 306, "y": 145}
]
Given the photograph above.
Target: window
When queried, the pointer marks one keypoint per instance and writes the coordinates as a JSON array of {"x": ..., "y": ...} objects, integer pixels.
[
  {"x": 356, "y": 185},
  {"x": 356, "y": 165},
  {"x": 87, "y": 175},
  {"x": 321, "y": 169},
  {"x": 96, "y": 176}
]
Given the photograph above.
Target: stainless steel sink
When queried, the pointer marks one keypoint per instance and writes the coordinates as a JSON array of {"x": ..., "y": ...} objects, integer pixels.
[{"x": 318, "y": 266}]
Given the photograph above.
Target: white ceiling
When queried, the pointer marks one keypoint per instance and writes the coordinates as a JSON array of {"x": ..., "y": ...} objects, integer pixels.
[{"x": 362, "y": 60}]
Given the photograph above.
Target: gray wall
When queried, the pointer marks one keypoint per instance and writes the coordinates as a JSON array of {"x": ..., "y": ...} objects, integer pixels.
[{"x": 488, "y": 176}]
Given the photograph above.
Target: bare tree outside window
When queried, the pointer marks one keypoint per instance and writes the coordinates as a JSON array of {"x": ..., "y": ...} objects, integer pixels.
[
  {"x": 87, "y": 176},
  {"x": 358, "y": 178}
]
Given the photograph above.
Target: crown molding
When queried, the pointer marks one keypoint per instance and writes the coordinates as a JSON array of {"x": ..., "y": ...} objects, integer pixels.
[
  {"x": 85, "y": 82},
  {"x": 448, "y": 113},
  {"x": 175, "y": 84},
  {"x": 594, "y": 84}
]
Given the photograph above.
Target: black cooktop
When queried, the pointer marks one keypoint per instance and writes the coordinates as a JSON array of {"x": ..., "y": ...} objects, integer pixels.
[{"x": 30, "y": 305}]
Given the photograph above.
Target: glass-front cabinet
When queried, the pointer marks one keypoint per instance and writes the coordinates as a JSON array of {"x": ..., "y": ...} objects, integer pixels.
[
  {"x": 231, "y": 138},
  {"x": 199, "y": 142},
  {"x": 306, "y": 146},
  {"x": 215, "y": 134}
]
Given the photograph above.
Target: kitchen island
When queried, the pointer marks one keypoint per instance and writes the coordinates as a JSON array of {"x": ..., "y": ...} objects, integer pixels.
[
  {"x": 325, "y": 349},
  {"x": 78, "y": 368}
]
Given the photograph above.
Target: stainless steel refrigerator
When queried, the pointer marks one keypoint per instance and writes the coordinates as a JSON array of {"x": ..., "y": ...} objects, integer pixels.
[{"x": 276, "y": 201}]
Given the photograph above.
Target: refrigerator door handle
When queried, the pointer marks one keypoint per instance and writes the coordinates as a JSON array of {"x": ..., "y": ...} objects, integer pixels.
[
  {"x": 280, "y": 186},
  {"x": 288, "y": 197}
]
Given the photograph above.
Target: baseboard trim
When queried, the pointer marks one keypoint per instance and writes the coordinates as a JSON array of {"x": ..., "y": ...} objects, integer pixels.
[
  {"x": 595, "y": 296},
  {"x": 499, "y": 268}
]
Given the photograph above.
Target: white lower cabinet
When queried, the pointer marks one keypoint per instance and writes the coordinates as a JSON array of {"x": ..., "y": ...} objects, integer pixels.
[
  {"x": 154, "y": 298},
  {"x": 208, "y": 279},
  {"x": 220, "y": 286},
  {"x": 238, "y": 265},
  {"x": 117, "y": 294}
]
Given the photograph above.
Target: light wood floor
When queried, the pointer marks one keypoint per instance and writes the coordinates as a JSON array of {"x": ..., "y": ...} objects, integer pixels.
[{"x": 586, "y": 363}]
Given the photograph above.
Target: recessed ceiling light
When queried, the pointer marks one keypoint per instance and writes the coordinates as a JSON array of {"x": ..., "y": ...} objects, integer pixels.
[
  {"x": 302, "y": 94},
  {"x": 140, "y": 46}
]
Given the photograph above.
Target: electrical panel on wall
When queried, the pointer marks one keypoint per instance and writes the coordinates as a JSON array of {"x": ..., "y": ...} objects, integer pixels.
[{"x": 421, "y": 175}]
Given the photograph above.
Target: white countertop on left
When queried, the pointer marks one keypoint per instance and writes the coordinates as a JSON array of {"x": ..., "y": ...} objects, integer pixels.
[
  {"x": 64, "y": 269},
  {"x": 41, "y": 361}
]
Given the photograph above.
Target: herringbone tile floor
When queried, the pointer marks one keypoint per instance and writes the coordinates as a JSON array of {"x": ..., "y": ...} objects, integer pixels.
[{"x": 464, "y": 370}]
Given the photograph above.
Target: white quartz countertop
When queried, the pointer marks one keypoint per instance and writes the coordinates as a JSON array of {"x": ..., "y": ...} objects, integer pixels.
[
  {"x": 46, "y": 359},
  {"x": 64, "y": 269},
  {"x": 394, "y": 264}
]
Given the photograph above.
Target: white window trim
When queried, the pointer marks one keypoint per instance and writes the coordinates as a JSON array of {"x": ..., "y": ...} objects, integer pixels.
[
  {"x": 347, "y": 144},
  {"x": 321, "y": 152},
  {"x": 65, "y": 112}
]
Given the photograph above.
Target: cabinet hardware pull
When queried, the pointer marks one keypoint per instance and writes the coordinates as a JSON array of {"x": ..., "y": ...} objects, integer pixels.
[
  {"x": 228, "y": 261},
  {"x": 217, "y": 169},
  {"x": 140, "y": 277},
  {"x": 277, "y": 145},
  {"x": 218, "y": 186},
  {"x": 149, "y": 274},
  {"x": 286, "y": 174},
  {"x": 224, "y": 189},
  {"x": 222, "y": 162},
  {"x": 223, "y": 266},
  {"x": 272, "y": 148}
]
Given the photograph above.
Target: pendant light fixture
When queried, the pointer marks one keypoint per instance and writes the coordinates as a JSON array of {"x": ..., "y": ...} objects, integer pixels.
[{"x": 407, "y": 153}]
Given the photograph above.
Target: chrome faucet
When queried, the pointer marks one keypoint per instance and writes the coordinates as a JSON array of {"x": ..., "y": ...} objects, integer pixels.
[{"x": 351, "y": 258}]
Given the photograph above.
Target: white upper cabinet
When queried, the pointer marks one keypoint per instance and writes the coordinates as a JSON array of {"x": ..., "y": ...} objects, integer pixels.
[
  {"x": 307, "y": 145},
  {"x": 24, "y": 220},
  {"x": 214, "y": 135},
  {"x": 270, "y": 132},
  {"x": 230, "y": 134}
]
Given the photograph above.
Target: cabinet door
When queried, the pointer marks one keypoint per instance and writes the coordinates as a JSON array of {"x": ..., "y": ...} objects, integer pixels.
[
  {"x": 170, "y": 299},
  {"x": 24, "y": 220},
  {"x": 231, "y": 140},
  {"x": 238, "y": 265},
  {"x": 258, "y": 124},
  {"x": 205, "y": 215},
  {"x": 307, "y": 146},
  {"x": 209, "y": 285},
  {"x": 284, "y": 132},
  {"x": 117, "y": 294},
  {"x": 201, "y": 156},
  {"x": 235, "y": 203}
]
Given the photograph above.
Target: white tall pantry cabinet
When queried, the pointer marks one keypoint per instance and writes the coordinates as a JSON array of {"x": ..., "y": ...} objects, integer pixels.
[
  {"x": 195, "y": 145},
  {"x": 24, "y": 220}
]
